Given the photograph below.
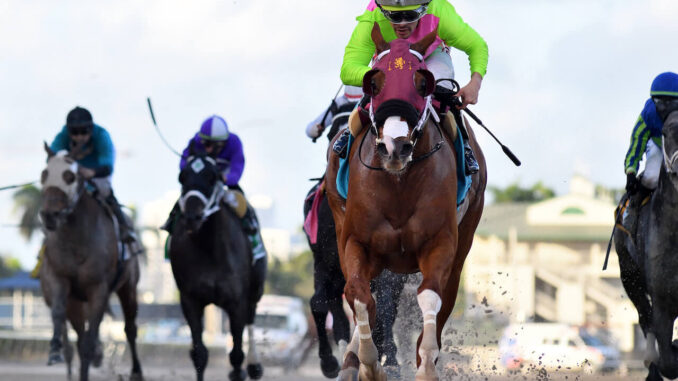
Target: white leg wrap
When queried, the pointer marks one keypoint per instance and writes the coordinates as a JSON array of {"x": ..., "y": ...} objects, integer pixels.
[
  {"x": 362, "y": 320},
  {"x": 252, "y": 355},
  {"x": 430, "y": 304},
  {"x": 353, "y": 345}
]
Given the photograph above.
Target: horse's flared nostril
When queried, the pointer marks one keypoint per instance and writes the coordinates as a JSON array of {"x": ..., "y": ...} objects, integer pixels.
[
  {"x": 381, "y": 149},
  {"x": 406, "y": 149}
]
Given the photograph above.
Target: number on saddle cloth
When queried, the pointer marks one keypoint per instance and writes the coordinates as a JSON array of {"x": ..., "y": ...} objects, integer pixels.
[{"x": 236, "y": 201}]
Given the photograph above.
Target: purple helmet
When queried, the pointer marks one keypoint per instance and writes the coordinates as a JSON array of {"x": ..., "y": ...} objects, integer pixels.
[{"x": 214, "y": 128}]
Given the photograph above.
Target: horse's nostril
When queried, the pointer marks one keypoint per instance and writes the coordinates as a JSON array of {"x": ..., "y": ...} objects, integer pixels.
[
  {"x": 381, "y": 148},
  {"x": 407, "y": 149}
]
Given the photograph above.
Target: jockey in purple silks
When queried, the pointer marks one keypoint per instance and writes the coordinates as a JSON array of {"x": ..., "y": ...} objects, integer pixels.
[{"x": 215, "y": 140}]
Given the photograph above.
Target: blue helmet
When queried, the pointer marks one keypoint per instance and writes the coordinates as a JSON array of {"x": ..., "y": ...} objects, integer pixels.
[
  {"x": 214, "y": 128},
  {"x": 665, "y": 84}
]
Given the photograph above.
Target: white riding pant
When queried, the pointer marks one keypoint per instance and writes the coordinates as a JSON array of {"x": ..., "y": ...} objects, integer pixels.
[
  {"x": 653, "y": 164},
  {"x": 439, "y": 63}
]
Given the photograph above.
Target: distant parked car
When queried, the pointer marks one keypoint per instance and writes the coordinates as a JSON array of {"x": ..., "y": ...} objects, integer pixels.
[
  {"x": 281, "y": 330},
  {"x": 551, "y": 346},
  {"x": 609, "y": 351}
]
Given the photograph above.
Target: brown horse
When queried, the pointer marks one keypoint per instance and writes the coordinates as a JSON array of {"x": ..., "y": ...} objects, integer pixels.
[
  {"x": 82, "y": 265},
  {"x": 401, "y": 213}
]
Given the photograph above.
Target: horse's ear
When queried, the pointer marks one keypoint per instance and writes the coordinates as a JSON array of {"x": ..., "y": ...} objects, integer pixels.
[
  {"x": 378, "y": 39},
  {"x": 422, "y": 45},
  {"x": 49, "y": 151},
  {"x": 424, "y": 82},
  {"x": 373, "y": 81}
]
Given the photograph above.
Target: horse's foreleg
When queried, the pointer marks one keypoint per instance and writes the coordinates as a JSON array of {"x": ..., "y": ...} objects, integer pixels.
[
  {"x": 97, "y": 297},
  {"x": 358, "y": 273},
  {"x": 319, "y": 309},
  {"x": 193, "y": 312},
  {"x": 59, "y": 290},
  {"x": 237, "y": 319},
  {"x": 435, "y": 268},
  {"x": 128, "y": 301},
  {"x": 254, "y": 368},
  {"x": 663, "y": 326}
]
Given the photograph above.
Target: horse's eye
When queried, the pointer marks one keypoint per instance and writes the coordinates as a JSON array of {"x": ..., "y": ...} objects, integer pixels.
[
  {"x": 43, "y": 176},
  {"x": 69, "y": 177},
  {"x": 375, "y": 88}
]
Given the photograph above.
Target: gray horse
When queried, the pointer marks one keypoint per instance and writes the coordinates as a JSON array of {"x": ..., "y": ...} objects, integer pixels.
[
  {"x": 82, "y": 266},
  {"x": 649, "y": 264}
]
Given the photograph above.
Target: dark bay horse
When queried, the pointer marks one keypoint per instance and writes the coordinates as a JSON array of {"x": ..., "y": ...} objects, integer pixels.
[
  {"x": 649, "y": 264},
  {"x": 401, "y": 211},
  {"x": 212, "y": 264},
  {"x": 329, "y": 289},
  {"x": 82, "y": 265}
]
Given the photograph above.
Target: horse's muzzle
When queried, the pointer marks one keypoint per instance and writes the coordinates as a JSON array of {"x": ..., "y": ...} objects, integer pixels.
[{"x": 395, "y": 154}]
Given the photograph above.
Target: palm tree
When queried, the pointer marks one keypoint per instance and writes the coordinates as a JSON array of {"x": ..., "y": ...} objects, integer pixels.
[{"x": 27, "y": 202}]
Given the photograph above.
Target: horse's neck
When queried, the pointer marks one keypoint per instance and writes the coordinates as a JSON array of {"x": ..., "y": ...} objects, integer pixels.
[{"x": 666, "y": 190}]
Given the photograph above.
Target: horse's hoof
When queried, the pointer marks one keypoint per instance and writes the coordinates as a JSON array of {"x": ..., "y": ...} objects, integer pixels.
[
  {"x": 255, "y": 371},
  {"x": 55, "y": 358},
  {"x": 348, "y": 374},
  {"x": 237, "y": 375},
  {"x": 330, "y": 366},
  {"x": 654, "y": 374},
  {"x": 136, "y": 377},
  {"x": 392, "y": 372}
]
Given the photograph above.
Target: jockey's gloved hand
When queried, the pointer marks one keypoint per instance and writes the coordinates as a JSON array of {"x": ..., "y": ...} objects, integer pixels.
[{"x": 632, "y": 183}]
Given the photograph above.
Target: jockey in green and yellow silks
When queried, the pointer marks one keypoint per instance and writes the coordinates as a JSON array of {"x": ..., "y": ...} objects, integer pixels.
[{"x": 412, "y": 20}]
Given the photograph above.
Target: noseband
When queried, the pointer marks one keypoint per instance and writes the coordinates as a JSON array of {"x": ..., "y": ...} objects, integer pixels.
[{"x": 211, "y": 203}]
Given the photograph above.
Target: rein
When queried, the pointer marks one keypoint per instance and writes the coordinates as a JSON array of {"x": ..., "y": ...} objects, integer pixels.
[
  {"x": 668, "y": 161},
  {"x": 417, "y": 159}
]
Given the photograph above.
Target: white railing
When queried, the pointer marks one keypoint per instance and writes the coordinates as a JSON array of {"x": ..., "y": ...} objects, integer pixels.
[{"x": 23, "y": 310}]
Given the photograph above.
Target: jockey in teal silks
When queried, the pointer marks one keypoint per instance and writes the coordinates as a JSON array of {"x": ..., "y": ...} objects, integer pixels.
[
  {"x": 412, "y": 20},
  {"x": 95, "y": 158},
  {"x": 647, "y": 138}
]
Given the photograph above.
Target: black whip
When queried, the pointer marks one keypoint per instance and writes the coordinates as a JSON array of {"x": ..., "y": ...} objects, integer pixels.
[
  {"x": 150, "y": 108},
  {"x": 322, "y": 121}
]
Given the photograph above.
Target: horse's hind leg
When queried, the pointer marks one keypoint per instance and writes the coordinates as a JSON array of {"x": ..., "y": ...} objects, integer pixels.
[
  {"x": 68, "y": 352},
  {"x": 254, "y": 368},
  {"x": 193, "y": 312},
  {"x": 387, "y": 288},
  {"x": 97, "y": 297},
  {"x": 128, "y": 301}
]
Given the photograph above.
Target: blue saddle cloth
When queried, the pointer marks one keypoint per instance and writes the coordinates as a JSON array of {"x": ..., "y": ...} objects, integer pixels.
[{"x": 463, "y": 180}]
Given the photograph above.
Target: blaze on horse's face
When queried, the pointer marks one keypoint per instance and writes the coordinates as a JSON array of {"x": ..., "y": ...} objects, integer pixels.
[
  {"x": 60, "y": 186},
  {"x": 198, "y": 181},
  {"x": 670, "y": 141},
  {"x": 398, "y": 85}
]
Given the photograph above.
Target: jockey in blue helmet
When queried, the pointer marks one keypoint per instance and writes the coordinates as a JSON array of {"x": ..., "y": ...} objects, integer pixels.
[
  {"x": 95, "y": 160},
  {"x": 647, "y": 138}
]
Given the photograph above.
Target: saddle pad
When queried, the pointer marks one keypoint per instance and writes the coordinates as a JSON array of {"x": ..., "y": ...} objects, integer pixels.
[
  {"x": 463, "y": 180},
  {"x": 236, "y": 201},
  {"x": 311, "y": 222}
]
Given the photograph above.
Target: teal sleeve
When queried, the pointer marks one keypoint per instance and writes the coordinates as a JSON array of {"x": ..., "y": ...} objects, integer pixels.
[
  {"x": 104, "y": 150},
  {"x": 60, "y": 142},
  {"x": 639, "y": 139},
  {"x": 456, "y": 33}
]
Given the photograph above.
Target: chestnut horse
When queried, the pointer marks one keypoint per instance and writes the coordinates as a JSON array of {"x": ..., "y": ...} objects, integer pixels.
[{"x": 401, "y": 213}]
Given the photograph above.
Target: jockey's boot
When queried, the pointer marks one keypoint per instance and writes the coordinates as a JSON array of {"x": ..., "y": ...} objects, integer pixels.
[
  {"x": 339, "y": 146},
  {"x": 35, "y": 273},
  {"x": 127, "y": 234},
  {"x": 168, "y": 226},
  {"x": 447, "y": 98},
  {"x": 250, "y": 226}
]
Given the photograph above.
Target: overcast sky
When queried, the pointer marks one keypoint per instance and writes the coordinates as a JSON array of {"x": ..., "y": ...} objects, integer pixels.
[{"x": 566, "y": 81}]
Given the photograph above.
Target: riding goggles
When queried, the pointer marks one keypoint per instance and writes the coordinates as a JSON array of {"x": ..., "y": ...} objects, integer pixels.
[
  {"x": 218, "y": 145},
  {"x": 75, "y": 131},
  {"x": 405, "y": 16},
  {"x": 665, "y": 105}
]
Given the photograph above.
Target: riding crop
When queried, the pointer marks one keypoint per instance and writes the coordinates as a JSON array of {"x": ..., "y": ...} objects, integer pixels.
[
  {"x": 322, "y": 121},
  {"x": 150, "y": 108}
]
